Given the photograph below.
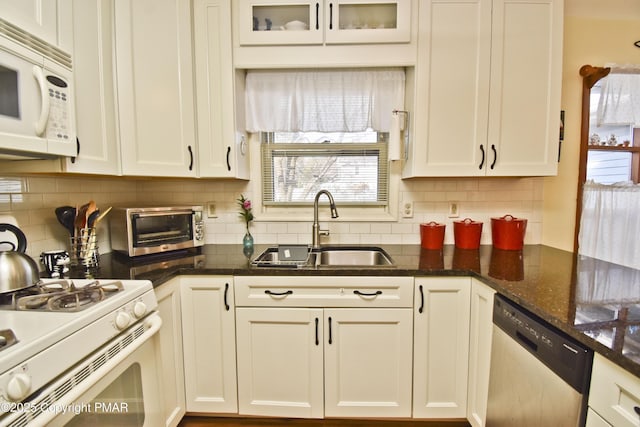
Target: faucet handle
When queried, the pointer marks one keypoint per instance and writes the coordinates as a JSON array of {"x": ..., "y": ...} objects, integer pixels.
[{"x": 323, "y": 232}]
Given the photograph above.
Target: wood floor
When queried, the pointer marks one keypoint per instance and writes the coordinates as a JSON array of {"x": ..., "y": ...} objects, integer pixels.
[{"x": 191, "y": 421}]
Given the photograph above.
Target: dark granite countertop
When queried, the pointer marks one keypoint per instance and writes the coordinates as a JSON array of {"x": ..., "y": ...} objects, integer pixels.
[{"x": 595, "y": 302}]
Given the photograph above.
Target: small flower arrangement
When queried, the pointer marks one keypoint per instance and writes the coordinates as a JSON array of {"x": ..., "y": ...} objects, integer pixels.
[{"x": 245, "y": 210}]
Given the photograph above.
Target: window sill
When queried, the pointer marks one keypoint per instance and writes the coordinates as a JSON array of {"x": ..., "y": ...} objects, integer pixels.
[{"x": 307, "y": 216}]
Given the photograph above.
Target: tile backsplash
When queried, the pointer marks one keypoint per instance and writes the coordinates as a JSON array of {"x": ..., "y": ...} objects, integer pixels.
[{"x": 31, "y": 201}]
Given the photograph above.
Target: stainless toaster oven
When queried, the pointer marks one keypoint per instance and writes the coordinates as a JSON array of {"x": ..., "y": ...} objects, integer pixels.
[{"x": 152, "y": 230}]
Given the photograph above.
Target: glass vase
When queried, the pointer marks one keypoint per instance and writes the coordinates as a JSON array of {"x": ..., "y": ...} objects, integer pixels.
[{"x": 247, "y": 244}]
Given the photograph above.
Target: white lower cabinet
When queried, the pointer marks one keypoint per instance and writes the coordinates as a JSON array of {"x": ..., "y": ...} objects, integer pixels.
[
  {"x": 324, "y": 346},
  {"x": 480, "y": 333},
  {"x": 614, "y": 395},
  {"x": 367, "y": 362},
  {"x": 168, "y": 295},
  {"x": 441, "y": 347},
  {"x": 208, "y": 332},
  {"x": 280, "y": 362}
]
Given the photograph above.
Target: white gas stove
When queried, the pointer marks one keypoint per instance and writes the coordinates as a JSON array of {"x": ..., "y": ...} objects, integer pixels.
[{"x": 47, "y": 339}]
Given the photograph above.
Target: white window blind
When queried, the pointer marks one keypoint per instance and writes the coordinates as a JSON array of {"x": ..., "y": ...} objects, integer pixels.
[{"x": 355, "y": 172}]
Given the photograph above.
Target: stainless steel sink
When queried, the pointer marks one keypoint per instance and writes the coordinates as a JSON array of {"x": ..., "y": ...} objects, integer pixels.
[
  {"x": 353, "y": 257},
  {"x": 326, "y": 257}
]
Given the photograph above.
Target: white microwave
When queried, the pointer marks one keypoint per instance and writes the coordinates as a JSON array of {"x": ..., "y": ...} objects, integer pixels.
[{"x": 37, "y": 115}]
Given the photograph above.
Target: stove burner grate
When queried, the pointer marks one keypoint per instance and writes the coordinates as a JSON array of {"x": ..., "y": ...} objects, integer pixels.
[{"x": 60, "y": 295}]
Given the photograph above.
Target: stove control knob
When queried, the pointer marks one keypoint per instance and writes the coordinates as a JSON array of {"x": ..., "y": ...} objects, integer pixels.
[
  {"x": 122, "y": 320},
  {"x": 18, "y": 387},
  {"x": 139, "y": 309}
]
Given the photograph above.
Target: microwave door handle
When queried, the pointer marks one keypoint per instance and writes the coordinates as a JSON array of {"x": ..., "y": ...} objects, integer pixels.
[{"x": 41, "y": 124}]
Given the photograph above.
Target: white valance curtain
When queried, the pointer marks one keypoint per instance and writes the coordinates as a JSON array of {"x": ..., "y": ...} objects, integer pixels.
[
  {"x": 619, "y": 102},
  {"x": 610, "y": 223},
  {"x": 323, "y": 100}
]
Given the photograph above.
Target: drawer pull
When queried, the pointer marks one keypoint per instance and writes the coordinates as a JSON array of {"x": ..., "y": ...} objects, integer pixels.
[
  {"x": 278, "y": 294},
  {"x": 226, "y": 293},
  {"x": 421, "y": 309},
  {"x": 317, "y": 332},
  {"x": 367, "y": 294},
  {"x": 330, "y": 332}
]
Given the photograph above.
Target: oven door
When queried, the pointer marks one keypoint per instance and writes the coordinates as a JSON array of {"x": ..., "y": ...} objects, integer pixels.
[
  {"x": 116, "y": 386},
  {"x": 128, "y": 395}
]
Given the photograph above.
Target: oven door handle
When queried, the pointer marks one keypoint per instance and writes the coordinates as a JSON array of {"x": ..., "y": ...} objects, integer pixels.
[{"x": 153, "y": 324}]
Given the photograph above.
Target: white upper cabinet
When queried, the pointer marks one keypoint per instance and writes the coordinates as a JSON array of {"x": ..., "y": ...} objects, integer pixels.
[
  {"x": 44, "y": 19},
  {"x": 155, "y": 91},
  {"x": 222, "y": 147},
  {"x": 96, "y": 129},
  {"x": 298, "y": 33},
  {"x": 316, "y": 22},
  {"x": 487, "y": 88}
]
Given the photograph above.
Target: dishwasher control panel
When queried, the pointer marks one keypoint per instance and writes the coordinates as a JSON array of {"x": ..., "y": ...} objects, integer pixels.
[{"x": 561, "y": 353}]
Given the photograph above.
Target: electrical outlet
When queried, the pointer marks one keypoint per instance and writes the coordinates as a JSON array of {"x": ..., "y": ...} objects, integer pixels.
[
  {"x": 453, "y": 210},
  {"x": 211, "y": 210},
  {"x": 407, "y": 210}
]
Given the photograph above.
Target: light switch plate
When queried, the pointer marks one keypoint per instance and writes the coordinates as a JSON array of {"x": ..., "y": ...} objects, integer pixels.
[{"x": 211, "y": 210}]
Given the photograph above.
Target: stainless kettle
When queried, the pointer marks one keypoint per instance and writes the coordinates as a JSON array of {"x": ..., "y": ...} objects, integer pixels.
[{"x": 17, "y": 270}]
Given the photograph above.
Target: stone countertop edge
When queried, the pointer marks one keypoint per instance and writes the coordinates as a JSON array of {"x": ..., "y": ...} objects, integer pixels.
[{"x": 543, "y": 277}]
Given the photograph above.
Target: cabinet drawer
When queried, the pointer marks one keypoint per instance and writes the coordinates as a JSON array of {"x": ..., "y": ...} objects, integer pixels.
[
  {"x": 329, "y": 291},
  {"x": 614, "y": 393}
]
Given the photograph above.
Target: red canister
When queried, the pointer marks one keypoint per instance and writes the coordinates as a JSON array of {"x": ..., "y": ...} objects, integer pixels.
[
  {"x": 467, "y": 233},
  {"x": 508, "y": 232},
  {"x": 432, "y": 235}
]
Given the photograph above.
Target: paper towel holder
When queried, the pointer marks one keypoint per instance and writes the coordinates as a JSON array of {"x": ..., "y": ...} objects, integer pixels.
[
  {"x": 404, "y": 128},
  {"x": 405, "y": 118}
]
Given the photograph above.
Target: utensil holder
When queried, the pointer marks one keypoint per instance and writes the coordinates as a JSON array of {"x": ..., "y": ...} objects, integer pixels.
[{"x": 84, "y": 248}]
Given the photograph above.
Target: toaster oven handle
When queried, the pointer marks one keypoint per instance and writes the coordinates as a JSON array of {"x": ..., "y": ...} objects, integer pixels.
[
  {"x": 163, "y": 213},
  {"x": 41, "y": 124}
]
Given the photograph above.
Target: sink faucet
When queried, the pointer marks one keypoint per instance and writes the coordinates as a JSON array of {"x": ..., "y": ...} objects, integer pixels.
[{"x": 316, "y": 231}]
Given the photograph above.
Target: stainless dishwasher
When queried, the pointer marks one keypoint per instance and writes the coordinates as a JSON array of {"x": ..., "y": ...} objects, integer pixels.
[{"x": 539, "y": 375}]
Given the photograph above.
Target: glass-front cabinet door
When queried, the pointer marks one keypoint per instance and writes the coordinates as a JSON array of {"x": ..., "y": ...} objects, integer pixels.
[
  {"x": 269, "y": 22},
  {"x": 367, "y": 21}
]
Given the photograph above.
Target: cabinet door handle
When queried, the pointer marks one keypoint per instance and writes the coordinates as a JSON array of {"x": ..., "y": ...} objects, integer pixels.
[
  {"x": 278, "y": 294},
  {"x": 190, "y": 157},
  {"x": 481, "y": 161},
  {"x": 317, "y": 16},
  {"x": 495, "y": 155},
  {"x": 421, "y": 309},
  {"x": 228, "y": 158},
  {"x": 367, "y": 294},
  {"x": 331, "y": 16},
  {"x": 226, "y": 292},
  {"x": 330, "y": 333},
  {"x": 317, "y": 332}
]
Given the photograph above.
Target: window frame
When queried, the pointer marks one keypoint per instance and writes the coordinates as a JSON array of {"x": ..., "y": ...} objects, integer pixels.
[{"x": 378, "y": 149}]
